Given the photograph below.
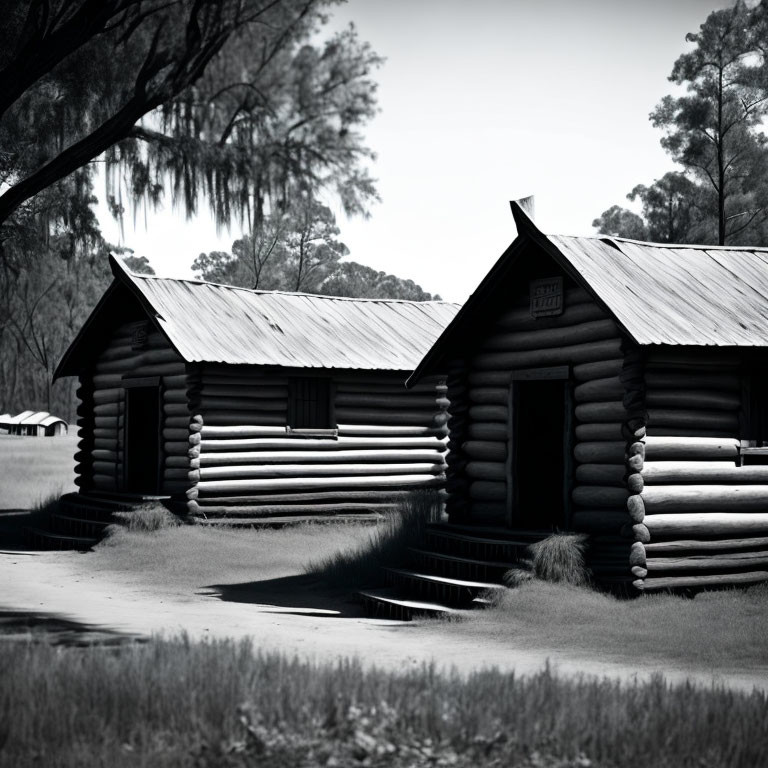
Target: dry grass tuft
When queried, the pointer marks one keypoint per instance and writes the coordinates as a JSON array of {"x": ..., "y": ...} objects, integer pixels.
[
  {"x": 147, "y": 518},
  {"x": 560, "y": 558},
  {"x": 387, "y": 545}
]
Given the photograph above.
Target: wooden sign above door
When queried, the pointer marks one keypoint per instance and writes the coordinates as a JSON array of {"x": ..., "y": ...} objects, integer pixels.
[{"x": 546, "y": 296}]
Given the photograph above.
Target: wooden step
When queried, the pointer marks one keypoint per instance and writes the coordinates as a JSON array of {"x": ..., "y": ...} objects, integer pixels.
[
  {"x": 76, "y": 525},
  {"x": 49, "y": 540},
  {"x": 125, "y": 498},
  {"x": 475, "y": 547},
  {"x": 454, "y": 592},
  {"x": 280, "y": 522},
  {"x": 386, "y": 604},
  {"x": 493, "y": 532},
  {"x": 460, "y": 567}
]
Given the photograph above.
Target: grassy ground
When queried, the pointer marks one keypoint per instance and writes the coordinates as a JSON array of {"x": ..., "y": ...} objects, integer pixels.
[
  {"x": 191, "y": 556},
  {"x": 724, "y": 630},
  {"x": 35, "y": 468},
  {"x": 176, "y": 703}
]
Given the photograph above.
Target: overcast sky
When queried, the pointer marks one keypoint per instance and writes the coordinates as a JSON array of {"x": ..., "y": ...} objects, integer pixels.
[{"x": 484, "y": 102}]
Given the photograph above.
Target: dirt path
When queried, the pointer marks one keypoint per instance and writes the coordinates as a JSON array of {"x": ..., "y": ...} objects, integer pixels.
[{"x": 291, "y": 614}]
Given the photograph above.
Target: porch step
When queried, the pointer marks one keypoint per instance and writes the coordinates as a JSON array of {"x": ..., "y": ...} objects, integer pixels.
[
  {"x": 387, "y": 604},
  {"x": 283, "y": 521},
  {"x": 49, "y": 540},
  {"x": 123, "y": 499},
  {"x": 77, "y": 526},
  {"x": 478, "y": 547},
  {"x": 452, "y": 592},
  {"x": 460, "y": 567}
]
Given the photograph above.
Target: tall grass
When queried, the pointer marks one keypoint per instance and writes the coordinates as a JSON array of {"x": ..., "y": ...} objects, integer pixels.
[
  {"x": 387, "y": 544},
  {"x": 219, "y": 703}
]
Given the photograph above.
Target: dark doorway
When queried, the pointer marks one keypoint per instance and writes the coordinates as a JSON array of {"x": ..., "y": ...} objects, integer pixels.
[
  {"x": 540, "y": 444},
  {"x": 142, "y": 439}
]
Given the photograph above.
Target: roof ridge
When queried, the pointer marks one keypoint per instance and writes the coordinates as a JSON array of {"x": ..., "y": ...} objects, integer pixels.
[
  {"x": 261, "y": 291},
  {"x": 692, "y": 246}
]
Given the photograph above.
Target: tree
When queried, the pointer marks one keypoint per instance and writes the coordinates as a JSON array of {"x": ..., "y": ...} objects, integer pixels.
[
  {"x": 293, "y": 250},
  {"x": 712, "y": 131},
  {"x": 311, "y": 245},
  {"x": 299, "y": 250},
  {"x": 621, "y": 222},
  {"x": 239, "y": 107},
  {"x": 138, "y": 264},
  {"x": 673, "y": 211},
  {"x": 231, "y": 101},
  {"x": 349, "y": 278}
]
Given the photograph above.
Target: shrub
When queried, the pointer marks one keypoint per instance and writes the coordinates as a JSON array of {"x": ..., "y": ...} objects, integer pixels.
[{"x": 387, "y": 545}]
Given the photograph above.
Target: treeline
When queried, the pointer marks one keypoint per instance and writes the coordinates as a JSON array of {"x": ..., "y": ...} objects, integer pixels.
[
  {"x": 297, "y": 249},
  {"x": 238, "y": 105},
  {"x": 714, "y": 131}
]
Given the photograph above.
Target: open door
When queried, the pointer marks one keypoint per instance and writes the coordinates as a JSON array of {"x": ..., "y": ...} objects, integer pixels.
[
  {"x": 540, "y": 446},
  {"x": 142, "y": 439}
]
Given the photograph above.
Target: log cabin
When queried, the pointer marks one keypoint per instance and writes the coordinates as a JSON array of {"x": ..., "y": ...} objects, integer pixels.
[
  {"x": 620, "y": 389},
  {"x": 235, "y": 403}
]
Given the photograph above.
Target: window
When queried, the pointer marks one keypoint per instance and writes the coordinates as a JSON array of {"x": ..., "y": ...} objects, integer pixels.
[{"x": 309, "y": 403}]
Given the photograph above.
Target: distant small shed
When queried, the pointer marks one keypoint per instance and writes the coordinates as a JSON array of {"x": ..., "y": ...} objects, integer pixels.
[
  {"x": 33, "y": 424},
  {"x": 247, "y": 403},
  {"x": 617, "y": 388}
]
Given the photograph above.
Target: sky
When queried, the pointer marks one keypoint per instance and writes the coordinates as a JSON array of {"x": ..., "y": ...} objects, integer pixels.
[{"x": 481, "y": 103}]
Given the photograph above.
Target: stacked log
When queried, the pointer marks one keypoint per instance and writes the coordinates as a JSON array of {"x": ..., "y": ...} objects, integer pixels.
[
  {"x": 458, "y": 504},
  {"x": 85, "y": 446},
  {"x": 603, "y": 449},
  {"x": 583, "y": 337},
  {"x": 155, "y": 358},
  {"x": 253, "y": 464},
  {"x": 699, "y": 519}
]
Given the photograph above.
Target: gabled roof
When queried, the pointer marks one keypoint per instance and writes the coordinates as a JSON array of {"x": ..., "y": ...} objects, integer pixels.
[
  {"x": 207, "y": 322},
  {"x": 660, "y": 294}
]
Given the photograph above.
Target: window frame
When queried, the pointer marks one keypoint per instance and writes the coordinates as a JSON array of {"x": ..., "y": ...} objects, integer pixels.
[{"x": 295, "y": 384}]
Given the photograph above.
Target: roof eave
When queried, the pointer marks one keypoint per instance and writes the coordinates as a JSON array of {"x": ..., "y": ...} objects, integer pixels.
[{"x": 527, "y": 231}]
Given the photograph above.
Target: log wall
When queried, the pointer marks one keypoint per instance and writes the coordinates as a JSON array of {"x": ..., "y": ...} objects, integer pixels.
[
  {"x": 247, "y": 461},
  {"x": 589, "y": 342},
  {"x": 102, "y": 411},
  {"x": 698, "y": 518}
]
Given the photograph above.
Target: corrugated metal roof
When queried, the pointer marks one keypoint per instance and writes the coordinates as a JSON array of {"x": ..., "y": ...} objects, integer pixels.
[
  {"x": 673, "y": 294},
  {"x": 20, "y": 417},
  {"x": 207, "y": 322},
  {"x": 48, "y": 420},
  {"x": 35, "y": 418},
  {"x": 666, "y": 294}
]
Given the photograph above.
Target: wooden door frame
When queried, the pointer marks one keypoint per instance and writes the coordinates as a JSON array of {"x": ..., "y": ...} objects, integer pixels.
[
  {"x": 553, "y": 373},
  {"x": 144, "y": 382}
]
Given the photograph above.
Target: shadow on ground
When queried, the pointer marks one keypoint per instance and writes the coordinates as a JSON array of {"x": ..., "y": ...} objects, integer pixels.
[
  {"x": 13, "y": 529},
  {"x": 29, "y": 626},
  {"x": 301, "y": 595}
]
